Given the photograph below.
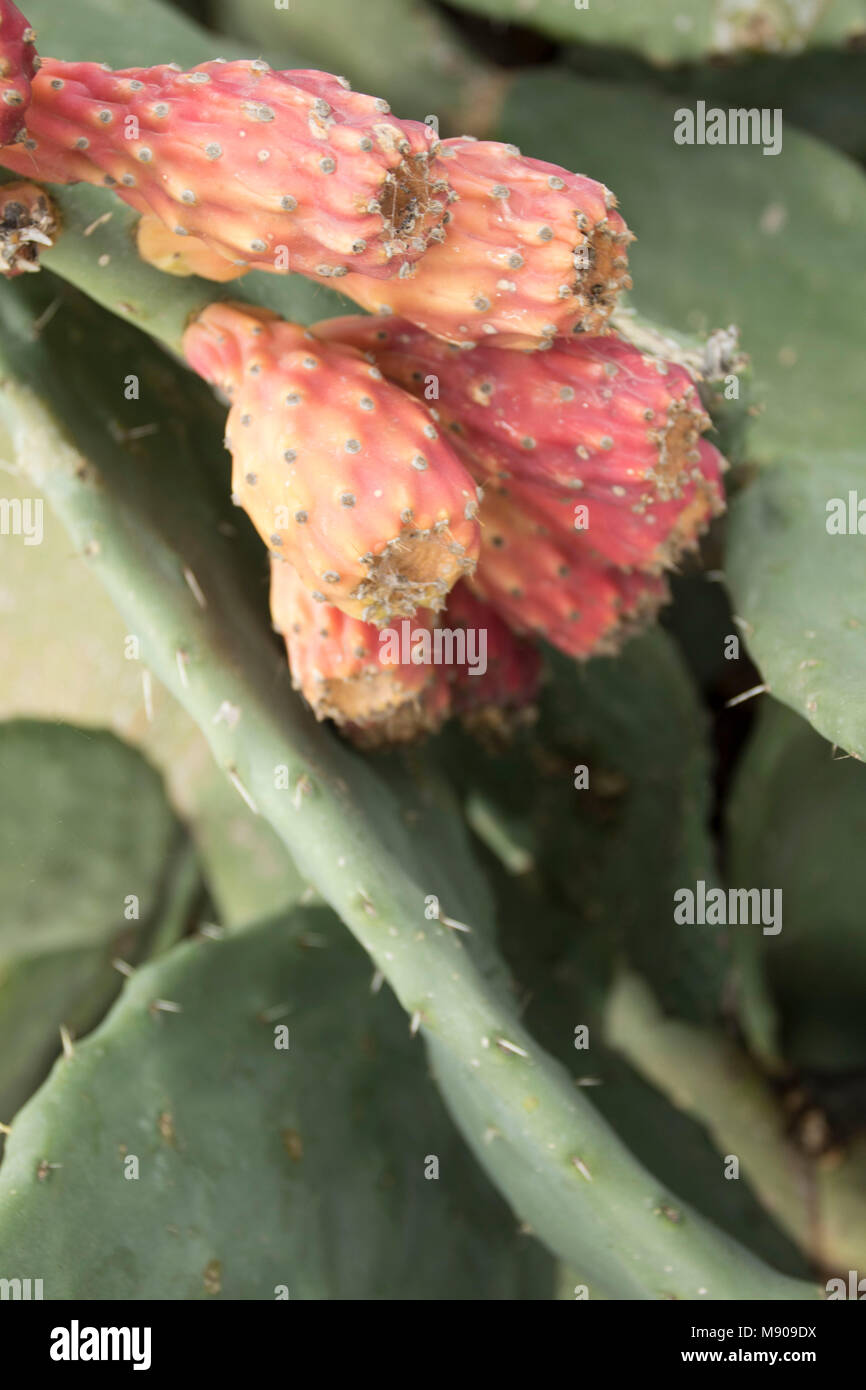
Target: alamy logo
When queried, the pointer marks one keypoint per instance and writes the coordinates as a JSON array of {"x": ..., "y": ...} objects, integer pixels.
[
  {"x": 22, "y": 517},
  {"x": 736, "y": 126},
  {"x": 855, "y": 1288},
  {"x": 444, "y": 646},
  {"x": 76, "y": 1343},
  {"x": 846, "y": 516},
  {"x": 736, "y": 907}
]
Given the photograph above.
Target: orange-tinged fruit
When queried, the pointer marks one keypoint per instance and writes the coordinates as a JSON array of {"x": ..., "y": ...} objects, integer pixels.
[
  {"x": 277, "y": 171},
  {"x": 531, "y": 252},
  {"x": 342, "y": 473}
]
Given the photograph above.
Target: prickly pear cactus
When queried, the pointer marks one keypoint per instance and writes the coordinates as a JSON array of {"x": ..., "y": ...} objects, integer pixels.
[{"x": 440, "y": 474}]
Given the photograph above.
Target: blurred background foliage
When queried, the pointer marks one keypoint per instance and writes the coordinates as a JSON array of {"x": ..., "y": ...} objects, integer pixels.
[{"x": 702, "y": 1045}]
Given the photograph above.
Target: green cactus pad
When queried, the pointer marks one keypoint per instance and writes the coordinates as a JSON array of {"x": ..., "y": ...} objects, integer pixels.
[
  {"x": 84, "y": 828},
  {"x": 819, "y": 1203},
  {"x": 799, "y": 590},
  {"x": 797, "y": 823},
  {"x": 263, "y": 1171},
  {"x": 679, "y": 31},
  {"x": 443, "y": 78},
  {"x": 613, "y": 852}
]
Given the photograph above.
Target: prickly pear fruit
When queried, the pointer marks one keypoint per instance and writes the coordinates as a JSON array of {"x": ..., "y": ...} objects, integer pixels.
[
  {"x": 281, "y": 171},
  {"x": 401, "y": 683},
  {"x": 544, "y": 586},
  {"x": 606, "y": 437},
  {"x": 18, "y": 63},
  {"x": 342, "y": 474},
  {"x": 181, "y": 255},
  {"x": 622, "y": 525},
  {"x": 28, "y": 220},
  {"x": 338, "y": 664},
  {"x": 489, "y": 699},
  {"x": 531, "y": 252}
]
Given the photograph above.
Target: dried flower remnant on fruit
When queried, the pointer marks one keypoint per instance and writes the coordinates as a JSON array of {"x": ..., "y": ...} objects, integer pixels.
[
  {"x": 387, "y": 687},
  {"x": 278, "y": 171},
  {"x": 337, "y": 664},
  {"x": 29, "y": 221},
  {"x": 595, "y": 476},
  {"x": 532, "y": 252}
]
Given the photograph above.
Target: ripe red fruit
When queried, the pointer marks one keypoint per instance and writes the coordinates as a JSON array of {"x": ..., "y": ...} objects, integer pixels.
[
  {"x": 507, "y": 687},
  {"x": 18, "y": 63},
  {"x": 531, "y": 252},
  {"x": 337, "y": 664},
  {"x": 592, "y": 462},
  {"x": 280, "y": 171},
  {"x": 398, "y": 684},
  {"x": 341, "y": 473},
  {"x": 548, "y": 586}
]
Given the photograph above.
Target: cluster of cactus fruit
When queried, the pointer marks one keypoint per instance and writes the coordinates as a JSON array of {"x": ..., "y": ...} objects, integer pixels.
[
  {"x": 481, "y": 433},
  {"x": 459, "y": 489}
]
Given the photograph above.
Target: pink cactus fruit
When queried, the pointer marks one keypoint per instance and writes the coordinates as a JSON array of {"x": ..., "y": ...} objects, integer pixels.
[
  {"x": 18, "y": 64},
  {"x": 531, "y": 252},
  {"x": 279, "y": 171},
  {"x": 342, "y": 473},
  {"x": 342, "y": 666}
]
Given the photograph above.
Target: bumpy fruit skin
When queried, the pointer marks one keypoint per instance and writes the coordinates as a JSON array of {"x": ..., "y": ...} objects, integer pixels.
[
  {"x": 593, "y": 423},
  {"x": 531, "y": 252},
  {"x": 365, "y": 680},
  {"x": 28, "y": 220},
  {"x": 18, "y": 63},
  {"x": 506, "y": 690},
  {"x": 337, "y": 665},
  {"x": 544, "y": 586},
  {"x": 343, "y": 474},
  {"x": 181, "y": 255},
  {"x": 278, "y": 171},
  {"x": 595, "y": 476}
]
